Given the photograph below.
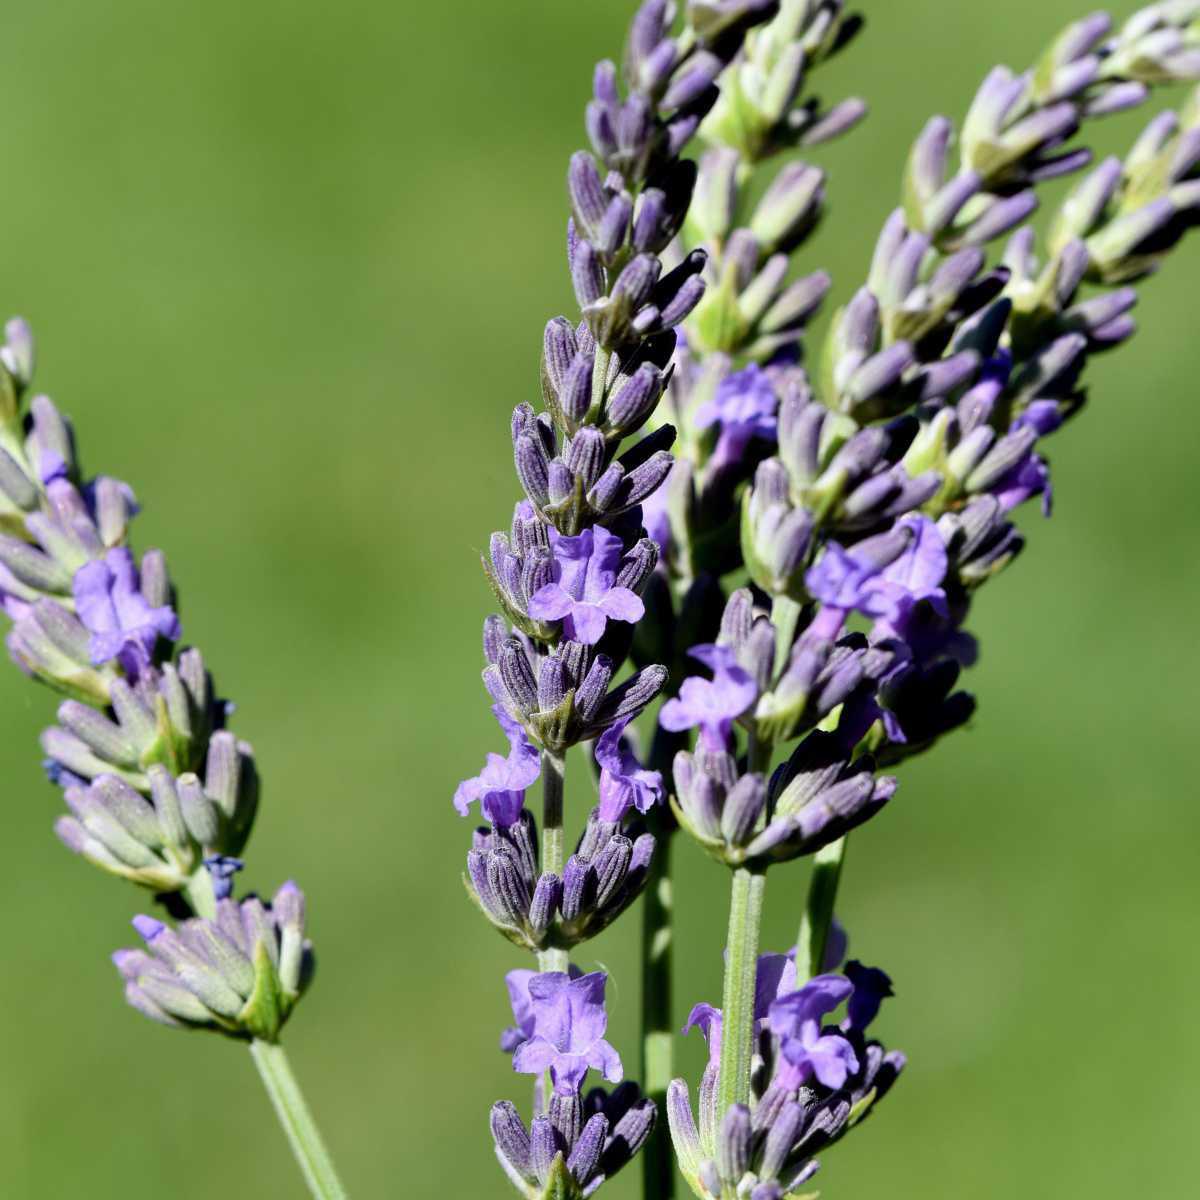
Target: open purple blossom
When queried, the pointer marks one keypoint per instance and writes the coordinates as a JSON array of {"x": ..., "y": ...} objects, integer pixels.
[
  {"x": 121, "y": 621},
  {"x": 711, "y": 704},
  {"x": 500, "y": 786},
  {"x": 624, "y": 782},
  {"x": 806, "y": 1052},
  {"x": 584, "y": 595},
  {"x": 566, "y": 1022},
  {"x": 745, "y": 407},
  {"x": 865, "y": 578}
]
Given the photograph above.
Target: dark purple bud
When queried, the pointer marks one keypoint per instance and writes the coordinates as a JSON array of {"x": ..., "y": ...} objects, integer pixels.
[
  {"x": 733, "y": 1144},
  {"x": 611, "y": 866},
  {"x": 693, "y": 81},
  {"x": 584, "y": 455},
  {"x": 547, "y": 896},
  {"x": 566, "y": 1115},
  {"x": 575, "y": 394},
  {"x": 558, "y": 350},
  {"x": 603, "y": 495},
  {"x": 532, "y": 468},
  {"x": 517, "y": 676},
  {"x": 592, "y": 690},
  {"x": 578, "y": 888},
  {"x": 507, "y": 887},
  {"x": 637, "y": 398},
  {"x": 631, "y": 697},
  {"x": 587, "y": 275},
  {"x": 644, "y": 480},
  {"x": 543, "y": 1147},
  {"x": 1004, "y": 455},
  {"x": 588, "y": 200},
  {"x": 743, "y": 807},
  {"x": 552, "y": 683},
  {"x": 610, "y": 236},
  {"x": 585, "y": 1153},
  {"x": 494, "y": 634},
  {"x": 637, "y": 566},
  {"x": 511, "y": 1138},
  {"x": 781, "y": 1137}
]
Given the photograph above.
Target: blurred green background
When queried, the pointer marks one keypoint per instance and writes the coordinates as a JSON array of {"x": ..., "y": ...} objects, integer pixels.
[{"x": 288, "y": 264}]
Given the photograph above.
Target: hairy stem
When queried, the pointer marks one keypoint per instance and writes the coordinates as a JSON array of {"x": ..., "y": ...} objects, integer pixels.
[
  {"x": 297, "y": 1121},
  {"x": 818, "y": 911},
  {"x": 737, "y": 1004},
  {"x": 658, "y": 1166},
  {"x": 553, "y": 856}
]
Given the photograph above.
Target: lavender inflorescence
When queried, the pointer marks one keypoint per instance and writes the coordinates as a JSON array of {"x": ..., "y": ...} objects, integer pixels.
[
  {"x": 865, "y": 502},
  {"x": 159, "y": 791}
]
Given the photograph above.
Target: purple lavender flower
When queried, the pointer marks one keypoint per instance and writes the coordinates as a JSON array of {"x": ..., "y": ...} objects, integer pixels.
[
  {"x": 805, "y": 1051},
  {"x": 122, "y": 622},
  {"x": 745, "y": 407},
  {"x": 879, "y": 578},
  {"x": 567, "y": 1025},
  {"x": 624, "y": 782},
  {"x": 584, "y": 595},
  {"x": 711, "y": 704},
  {"x": 500, "y": 786}
]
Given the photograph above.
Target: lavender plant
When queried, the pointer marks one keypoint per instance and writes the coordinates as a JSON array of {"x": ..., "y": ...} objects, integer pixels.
[
  {"x": 693, "y": 494},
  {"x": 158, "y": 790}
]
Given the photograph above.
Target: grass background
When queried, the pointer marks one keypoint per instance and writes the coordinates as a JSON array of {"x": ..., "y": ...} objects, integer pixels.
[{"x": 288, "y": 263}]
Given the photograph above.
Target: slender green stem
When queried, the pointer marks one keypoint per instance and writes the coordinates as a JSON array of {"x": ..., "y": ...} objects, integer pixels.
[
  {"x": 785, "y": 616},
  {"x": 297, "y": 1121},
  {"x": 599, "y": 378},
  {"x": 737, "y": 1005},
  {"x": 658, "y": 1164},
  {"x": 553, "y": 770},
  {"x": 818, "y": 912}
]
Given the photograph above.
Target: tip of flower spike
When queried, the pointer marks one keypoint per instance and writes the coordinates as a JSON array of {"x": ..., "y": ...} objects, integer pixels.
[{"x": 147, "y": 927}]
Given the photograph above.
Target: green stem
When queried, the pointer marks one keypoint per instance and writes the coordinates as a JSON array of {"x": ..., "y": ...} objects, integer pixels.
[
  {"x": 818, "y": 911},
  {"x": 553, "y": 770},
  {"x": 599, "y": 380},
  {"x": 297, "y": 1121},
  {"x": 737, "y": 1005},
  {"x": 658, "y": 1164},
  {"x": 785, "y": 616}
]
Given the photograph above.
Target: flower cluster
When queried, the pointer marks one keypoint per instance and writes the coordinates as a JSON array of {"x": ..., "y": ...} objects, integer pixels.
[
  {"x": 796, "y": 550},
  {"x": 812, "y": 1081},
  {"x": 158, "y": 790}
]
